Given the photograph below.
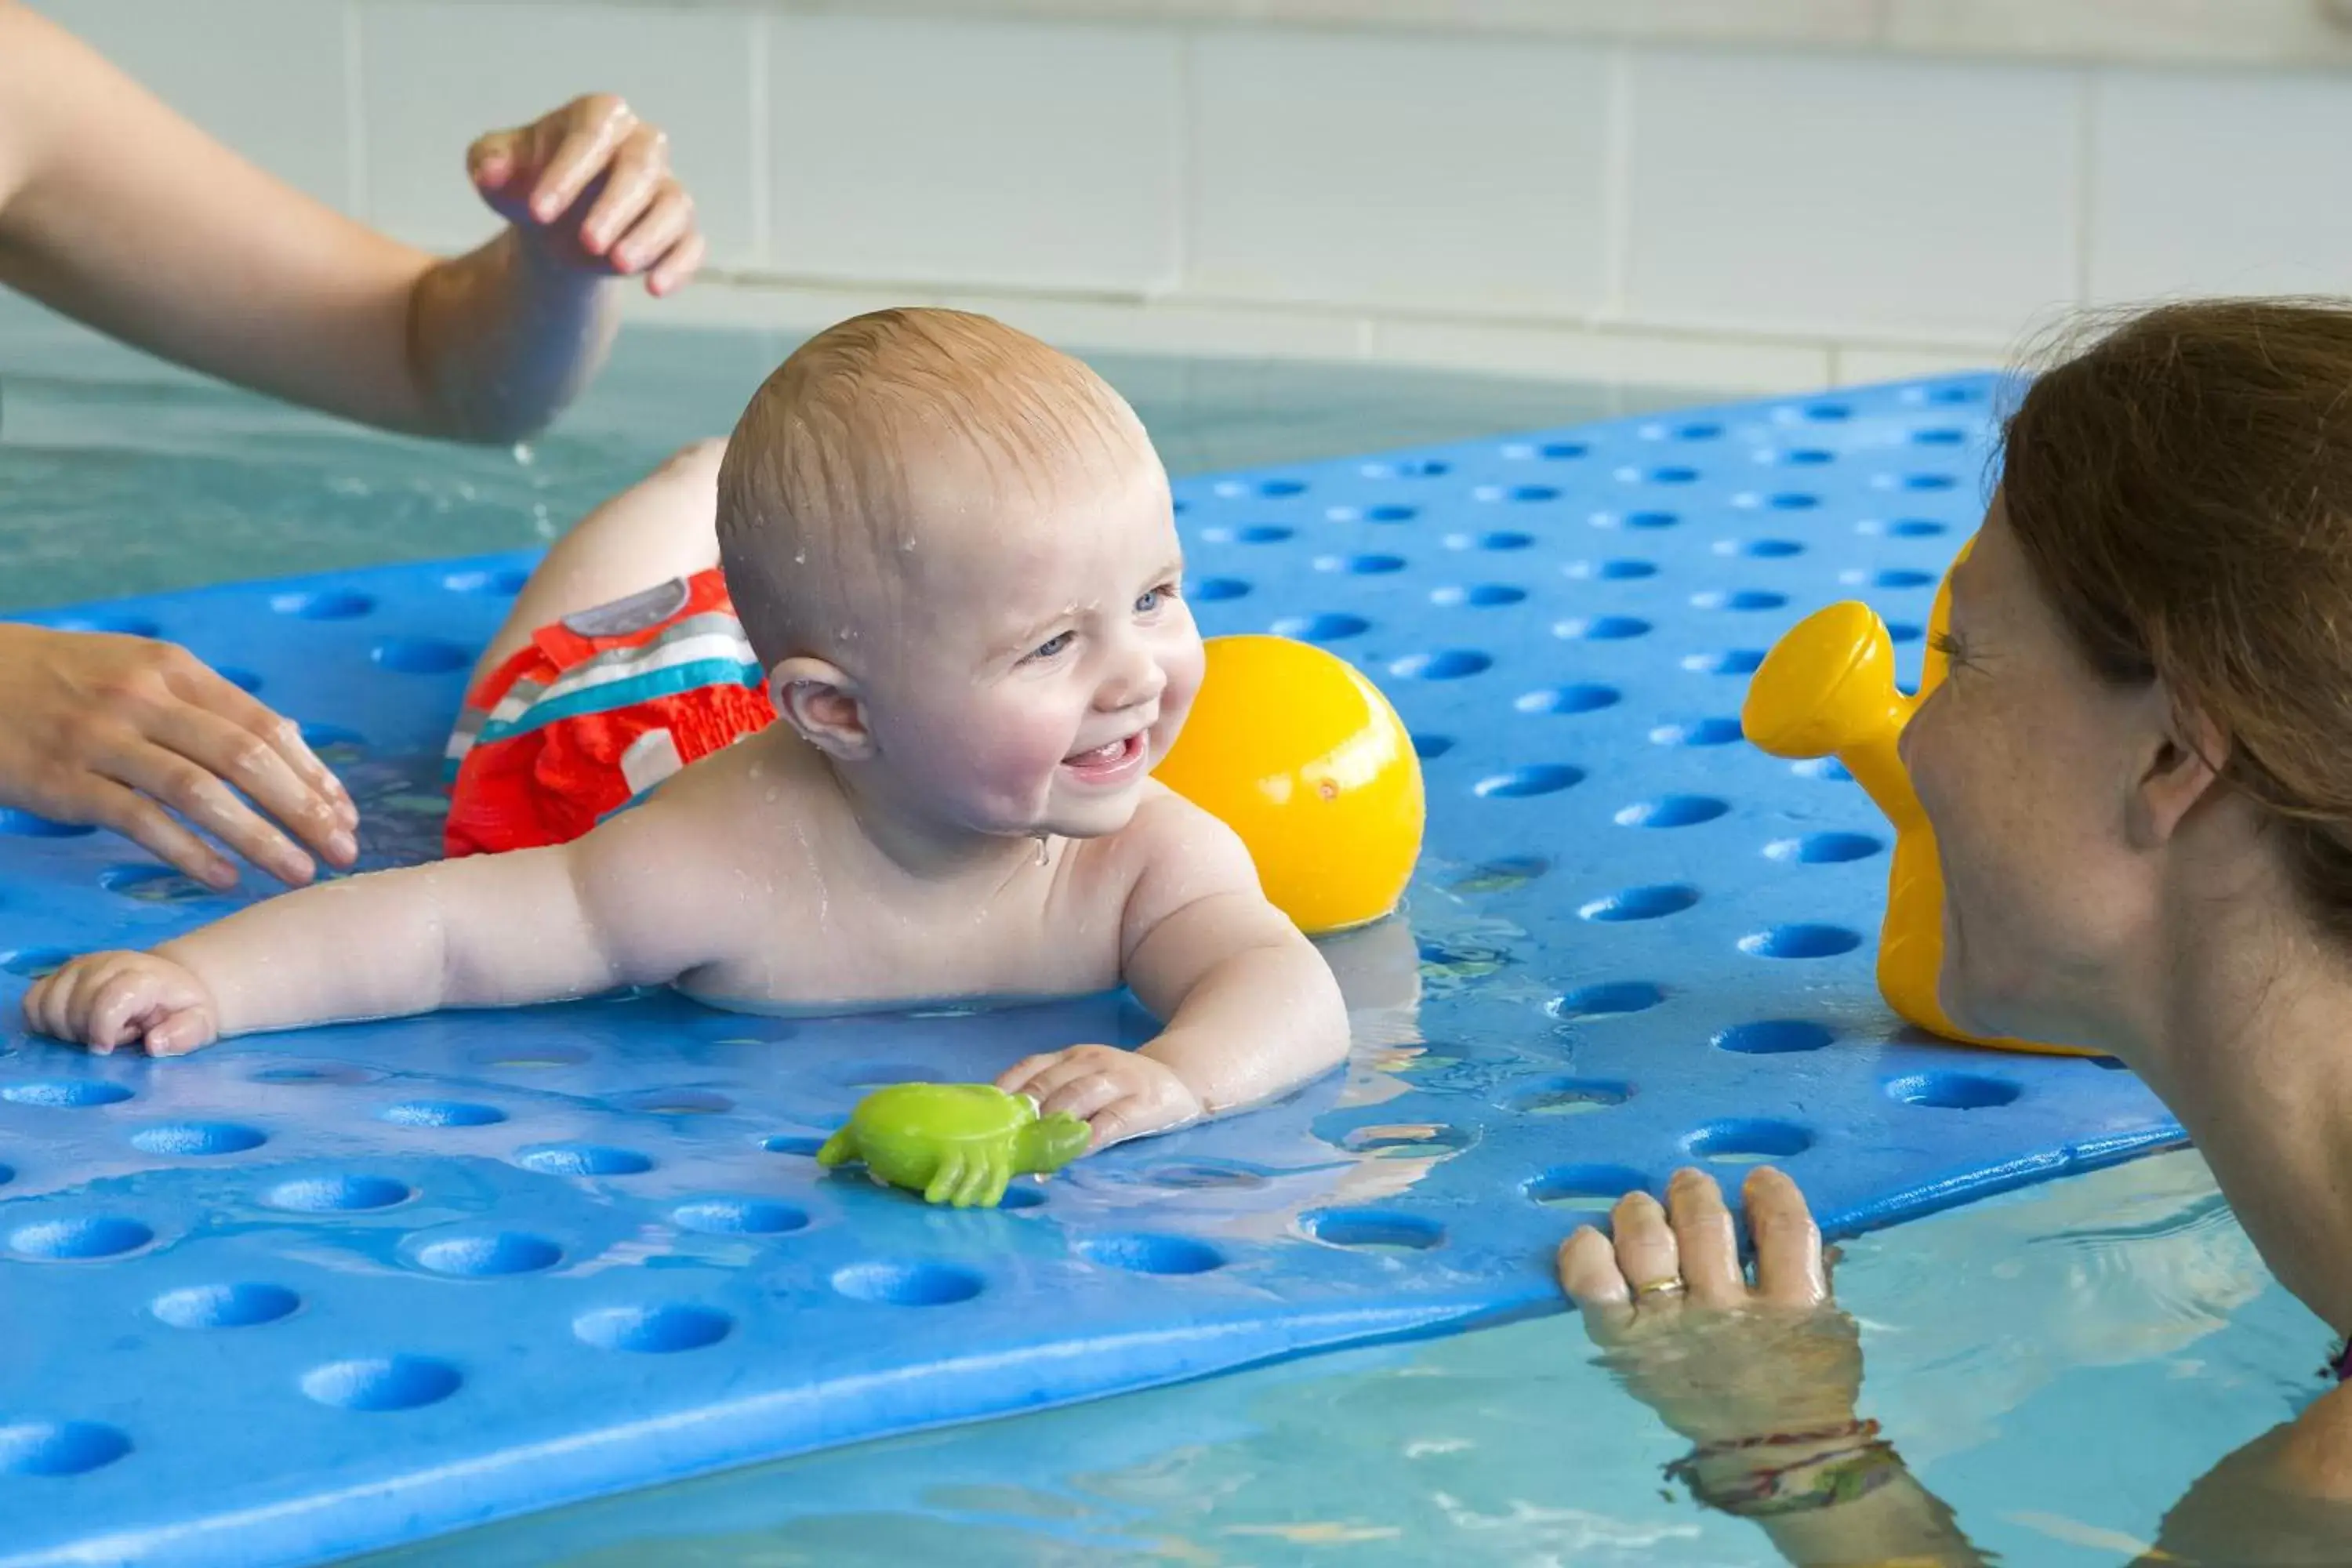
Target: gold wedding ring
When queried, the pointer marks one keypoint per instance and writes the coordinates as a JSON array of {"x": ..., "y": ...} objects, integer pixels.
[{"x": 1672, "y": 1287}]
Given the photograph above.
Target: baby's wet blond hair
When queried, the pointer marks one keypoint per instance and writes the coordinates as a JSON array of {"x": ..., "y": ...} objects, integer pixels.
[{"x": 878, "y": 429}]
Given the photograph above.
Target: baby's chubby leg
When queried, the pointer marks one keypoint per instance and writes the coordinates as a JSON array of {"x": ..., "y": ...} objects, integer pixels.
[{"x": 663, "y": 526}]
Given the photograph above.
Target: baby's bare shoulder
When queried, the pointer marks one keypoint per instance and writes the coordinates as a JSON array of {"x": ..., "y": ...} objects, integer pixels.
[
  {"x": 717, "y": 822},
  {"x": 1174, "y": 851},
  {"x": 767, "y": 771}
]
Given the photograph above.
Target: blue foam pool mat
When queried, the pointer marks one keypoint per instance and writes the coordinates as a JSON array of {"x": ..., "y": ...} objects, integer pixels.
[{"x": 307, "y": 1294}]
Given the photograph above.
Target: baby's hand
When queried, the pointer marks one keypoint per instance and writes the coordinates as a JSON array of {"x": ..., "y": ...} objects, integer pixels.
[
  {"x": 590, "y": 184},
  {"x": 1120, "y": 1094},
  {"x": 107, "y": 999}
]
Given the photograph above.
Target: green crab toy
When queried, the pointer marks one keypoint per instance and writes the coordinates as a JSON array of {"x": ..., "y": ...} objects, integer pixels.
[{"x": 955, "y": 1142}]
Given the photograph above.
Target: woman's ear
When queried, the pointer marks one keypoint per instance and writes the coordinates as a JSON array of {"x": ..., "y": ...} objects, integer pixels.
[
  {"x": 822, "y": 704},
  {"x": 2185, "y": 754}
]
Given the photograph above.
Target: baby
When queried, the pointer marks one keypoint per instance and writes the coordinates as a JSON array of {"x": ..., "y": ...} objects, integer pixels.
[{"x": 944, "y": 556}]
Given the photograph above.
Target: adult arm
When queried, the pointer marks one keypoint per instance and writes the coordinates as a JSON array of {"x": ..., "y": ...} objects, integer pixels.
[
  {"x": 2284, "y": 1498},
  {"x": 1765, "y": 1379},
  {"x": 115, "y": 210}
]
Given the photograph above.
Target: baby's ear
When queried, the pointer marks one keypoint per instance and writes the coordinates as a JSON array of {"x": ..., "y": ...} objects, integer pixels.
[{"x": 821, "y": 702}]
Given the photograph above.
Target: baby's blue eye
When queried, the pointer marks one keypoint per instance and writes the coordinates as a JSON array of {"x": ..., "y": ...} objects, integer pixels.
[
  {"x": 1149, "y": 602},
  {"x": 1051, "y": 645}
]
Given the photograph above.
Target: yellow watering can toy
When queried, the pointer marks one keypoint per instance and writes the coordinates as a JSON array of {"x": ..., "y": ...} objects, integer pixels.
[{"x": 1827, "y": 688}]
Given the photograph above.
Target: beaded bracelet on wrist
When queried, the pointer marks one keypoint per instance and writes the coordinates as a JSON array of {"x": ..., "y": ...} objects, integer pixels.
[{"x": 1832, "y": 1480}]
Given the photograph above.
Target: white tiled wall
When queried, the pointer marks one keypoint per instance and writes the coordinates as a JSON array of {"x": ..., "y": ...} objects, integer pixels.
[
  {"x": 1004, "y": 153},
  {"x": 2220, "y": 183},
  {"x": 1823, "y": 195},
  {"x": 1535, "y": 205},
  {"x": 432, "y": 75},
  {"x": 1435, "y": 174},
  {"x": 268, "y": 76}
]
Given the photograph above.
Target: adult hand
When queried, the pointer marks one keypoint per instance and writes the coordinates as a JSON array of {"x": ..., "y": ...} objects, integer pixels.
[
  {"x": 108, "y": 730},
  {"x": 590, "y": 187},
  {"x": 1719, "y": 1360}
]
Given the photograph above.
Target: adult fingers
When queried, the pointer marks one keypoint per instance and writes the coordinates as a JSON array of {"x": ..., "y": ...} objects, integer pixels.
[
  {"x": 1788, "y": 1272},
  {"x": 1587, "y": 1265},
  {"x": 587, "y": 131},
  {"x": 666, "y": 221},
  {"x": 637, "y": 175},
  {"x": 491, "y": 160},
  {"x": 191, "y": 789},
  {"x": 267, "y": 774},
  {"x": 1705, "y": 1240},
  {"x": 1647, "y": 1252},
  {"x": 679, "y": 266},
  {"x": 196, "y": 682},
  {"x": 149, "y": 825}
]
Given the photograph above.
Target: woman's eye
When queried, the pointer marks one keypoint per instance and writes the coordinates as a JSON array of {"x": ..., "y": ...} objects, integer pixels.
[
  {"x": 1948, "y": 646},
  {"x": 1053, "y": 645}
]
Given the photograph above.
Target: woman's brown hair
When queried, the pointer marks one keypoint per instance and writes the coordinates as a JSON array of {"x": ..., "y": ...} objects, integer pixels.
[{"x": 2182, "y": 489}]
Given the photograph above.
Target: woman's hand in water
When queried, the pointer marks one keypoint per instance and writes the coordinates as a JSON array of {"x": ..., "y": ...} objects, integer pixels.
[
  {"x": 109, "y": 730},
  {"x": 1119, "y": 1094},
  {"x": 590, "y": 184},
  {"x": 1762, "y": 1378},
  {"x": 1671, "y": 1308},
  {"x": 104, "y": 1000}
]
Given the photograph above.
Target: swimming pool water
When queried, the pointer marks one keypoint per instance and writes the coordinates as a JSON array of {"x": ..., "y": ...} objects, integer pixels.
[
  {"x": 120, "y": 475},
  {"x": 2058, "y": 1365}
]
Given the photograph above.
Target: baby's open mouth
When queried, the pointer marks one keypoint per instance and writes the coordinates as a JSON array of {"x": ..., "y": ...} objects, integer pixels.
[{"x": 1107, "y": 758}]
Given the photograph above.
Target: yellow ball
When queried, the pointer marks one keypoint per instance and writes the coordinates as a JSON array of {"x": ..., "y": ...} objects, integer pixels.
[{"x": 1303, "y": 757}]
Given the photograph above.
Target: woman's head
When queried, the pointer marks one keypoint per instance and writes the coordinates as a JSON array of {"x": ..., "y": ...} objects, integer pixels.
[{"x": 2152, "y": 653}]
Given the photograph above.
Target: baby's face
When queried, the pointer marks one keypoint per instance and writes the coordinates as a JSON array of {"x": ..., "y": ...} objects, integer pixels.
[{"x": 1045, "y": 659}]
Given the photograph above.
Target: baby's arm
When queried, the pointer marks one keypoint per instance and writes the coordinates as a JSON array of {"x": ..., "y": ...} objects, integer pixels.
[
  {"x": 1251, "y": 1008},
  {"x": 612, "y": 908}
]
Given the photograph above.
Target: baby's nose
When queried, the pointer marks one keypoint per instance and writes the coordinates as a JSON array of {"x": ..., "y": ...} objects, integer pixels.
[{"x": 1136, "y": 682}]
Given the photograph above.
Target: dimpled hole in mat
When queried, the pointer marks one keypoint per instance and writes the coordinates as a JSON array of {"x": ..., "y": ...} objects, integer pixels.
[{"x": 309, "y": 1293}]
